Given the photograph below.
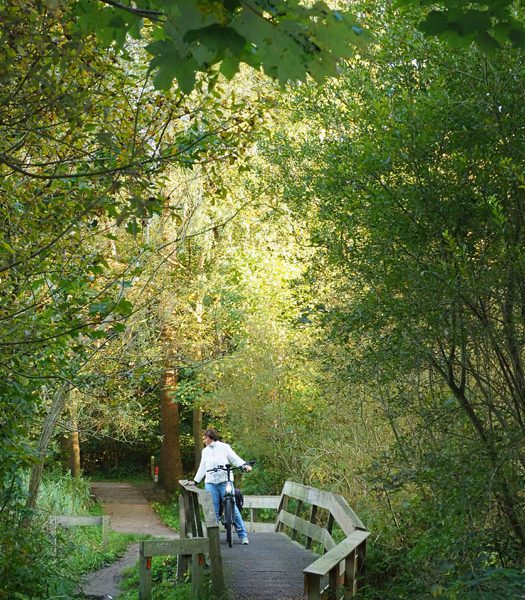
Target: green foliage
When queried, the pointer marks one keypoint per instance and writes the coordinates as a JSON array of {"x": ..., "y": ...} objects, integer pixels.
[
  {"x": 39, "y": 562},
  {"x": 409, "y": 182},
  {"x": 490, "y": 24},
  {"x": 64, "y": 495},
  {"x": 364, "y": 334},
  {"x": 82, "y": 147},
  {"x": 163, "y": 582},
  {"x": 79, "y": 552},
  {"x": 501, "y": 584},
  {"x": 25, "y": 560},
  {"x": 168, "y": 513},
  {"x": 288, "y": 40}
]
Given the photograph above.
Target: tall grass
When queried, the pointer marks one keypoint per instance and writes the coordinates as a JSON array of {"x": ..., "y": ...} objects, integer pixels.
[
  {"x": 39, "y": 563},
  {"x": 64, "y": 495}
]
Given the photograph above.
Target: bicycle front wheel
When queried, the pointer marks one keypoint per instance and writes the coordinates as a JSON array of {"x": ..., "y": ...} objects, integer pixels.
[{"x": 228, "y": 519}]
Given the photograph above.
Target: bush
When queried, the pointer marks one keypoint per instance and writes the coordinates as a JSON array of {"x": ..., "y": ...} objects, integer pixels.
[{"x": 37, "y": 562}]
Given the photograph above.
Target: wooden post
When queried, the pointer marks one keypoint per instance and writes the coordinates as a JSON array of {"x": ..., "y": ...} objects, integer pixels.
[
  {"x": 144, "y": 575},
  {"x": 183, "y": 523},
  {"x": 350, "y": 579},
  {"x": 360, "y": 553},
  {"x": 105, "y": 532},
  {"x": 182, "y": 560},
  {"x": 312, "y": 586},
  {"x": 197, "y": 575},
  {"x": 298, "y": 510},
  {"x": 197, "y": 532},
  {"x": 333, "y": 582},
  {"x": 283, "y": 505},
  {"x": 217, "y": 576},
  {"x": 330, "y": 524},
  {"x": 313, "y": 518}
]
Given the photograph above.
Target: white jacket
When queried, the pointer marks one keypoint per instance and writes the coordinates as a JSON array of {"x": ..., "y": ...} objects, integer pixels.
[{"x": 217, "y": 453}]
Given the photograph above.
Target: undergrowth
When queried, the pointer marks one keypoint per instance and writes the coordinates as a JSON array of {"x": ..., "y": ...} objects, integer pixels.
[{"x": 39, "y": 561}]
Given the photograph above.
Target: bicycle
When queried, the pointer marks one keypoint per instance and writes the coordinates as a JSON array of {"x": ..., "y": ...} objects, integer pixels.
[{"x": 228, "y": 502}]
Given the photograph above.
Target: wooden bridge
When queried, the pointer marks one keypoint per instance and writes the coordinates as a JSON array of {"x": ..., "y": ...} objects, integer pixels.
[{"x": 314, "y": 548}]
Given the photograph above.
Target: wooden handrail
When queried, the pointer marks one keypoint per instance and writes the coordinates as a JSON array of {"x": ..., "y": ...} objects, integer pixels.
[
  {"x": 195, "y": 542},
  {"x": 309, "y": 530},
  {"x": 342, "y": 562},
  {"x": 253, "y": 504},
  {"x": 334, "y": 503},
  {"x": 191, "y": 499},
  {"x": 350, "y": 554},
  {"x": 76, "y": 521},
  {"x": 194, "y": 547}
]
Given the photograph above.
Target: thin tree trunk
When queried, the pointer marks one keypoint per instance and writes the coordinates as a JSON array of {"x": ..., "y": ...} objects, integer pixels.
[
  {"x": 35, "y": 478},
  {"x": 74, "y": 440},
  {"x": 170, "y": 470},
  {"x": 507, "y": 498},
  {"x": 197, "y": 436},
  {"x": 74, "y": 460}
]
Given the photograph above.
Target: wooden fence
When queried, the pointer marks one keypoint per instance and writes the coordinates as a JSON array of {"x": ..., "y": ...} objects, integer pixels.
[
  {"x": 74, "y": 521},
  {"x": 199, "y": 537},
  {"x": 337, "y": 573},
  {"x": 253, "y": 504},
  {"x": 305, "y": 514}
]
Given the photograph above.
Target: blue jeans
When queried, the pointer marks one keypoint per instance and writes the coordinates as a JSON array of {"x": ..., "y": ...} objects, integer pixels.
[{"x": 217, "y": 491}]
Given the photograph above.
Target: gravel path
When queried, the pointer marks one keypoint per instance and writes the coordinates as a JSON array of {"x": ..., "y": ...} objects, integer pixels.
[{"x": 130, "y": 510}]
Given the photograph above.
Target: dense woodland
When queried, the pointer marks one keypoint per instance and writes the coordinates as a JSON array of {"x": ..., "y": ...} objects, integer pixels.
[{"x": 311, "y": 239}]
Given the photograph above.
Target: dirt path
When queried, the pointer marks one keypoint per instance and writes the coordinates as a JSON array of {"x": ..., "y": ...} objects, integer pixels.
[{"x": 130, "y": 510}]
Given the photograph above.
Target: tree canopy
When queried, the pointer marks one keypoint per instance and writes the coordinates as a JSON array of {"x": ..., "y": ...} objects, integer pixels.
[
  {"x": 329, "y": 271},
  {"x": 287, "y": 39}
]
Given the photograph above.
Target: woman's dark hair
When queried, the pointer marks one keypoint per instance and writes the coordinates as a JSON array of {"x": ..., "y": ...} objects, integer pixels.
[{"x": 212, "y": 434}]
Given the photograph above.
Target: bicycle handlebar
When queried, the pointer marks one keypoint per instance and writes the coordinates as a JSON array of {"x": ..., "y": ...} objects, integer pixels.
[{"x": 230, "y": 467}]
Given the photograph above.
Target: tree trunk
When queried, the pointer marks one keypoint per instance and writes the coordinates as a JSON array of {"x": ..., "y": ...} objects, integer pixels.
[
  {"x": 197, "y": 436},
  {"x": 74, "y": 454},
  {"x": 35, "y": 478},
  {"x": 73, "y": 438},
  {"x": 170, "y": 470},
  {"x": 504, "y": 493}
]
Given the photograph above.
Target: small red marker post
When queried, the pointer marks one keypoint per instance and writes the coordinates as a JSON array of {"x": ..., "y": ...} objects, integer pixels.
[{"x": 156, "y": 476}]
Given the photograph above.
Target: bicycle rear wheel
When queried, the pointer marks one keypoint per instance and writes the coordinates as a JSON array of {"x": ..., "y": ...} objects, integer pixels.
[{"x": 228, "y": 519}]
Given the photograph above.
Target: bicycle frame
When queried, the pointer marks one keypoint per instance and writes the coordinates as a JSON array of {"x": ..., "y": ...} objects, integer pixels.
[
  {"x": 229, "y": 506},
  {"x": 229, "y": 499}
]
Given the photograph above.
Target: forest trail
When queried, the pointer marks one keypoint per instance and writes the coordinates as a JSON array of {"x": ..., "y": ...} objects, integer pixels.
[{"x": 129, "y": 506}]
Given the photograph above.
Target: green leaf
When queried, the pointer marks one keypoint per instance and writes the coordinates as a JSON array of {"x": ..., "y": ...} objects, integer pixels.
[
  {"x": 436, "y": 23},
  {"x": 132, "y": 227},
  {"x": 100, "y": 308},
  {"x": 96, "y": 334},
  {"x": 123, "y": 307},
  {"x": 229, "y": 66},
  {"x": 517, "y": 36},
  {"x": 210, "y": 44}
]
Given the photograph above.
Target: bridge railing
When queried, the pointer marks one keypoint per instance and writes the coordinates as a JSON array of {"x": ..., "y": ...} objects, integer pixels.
[
  {"x": 307, "y": 515},
  {"x": 76, "y": 521},
  {"x": 199, "y": 537},
  {"x": 197, "y": 519},
  {"x": 337, "y": 573},
  {"x": 252, "y": 512}
]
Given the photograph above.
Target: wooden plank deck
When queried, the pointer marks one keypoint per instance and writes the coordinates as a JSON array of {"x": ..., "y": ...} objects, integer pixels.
[{"x": 269, "y": 568}]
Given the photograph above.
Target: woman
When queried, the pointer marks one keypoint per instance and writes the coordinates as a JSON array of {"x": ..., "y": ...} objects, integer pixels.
[{"x": 217, "y": 453}]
